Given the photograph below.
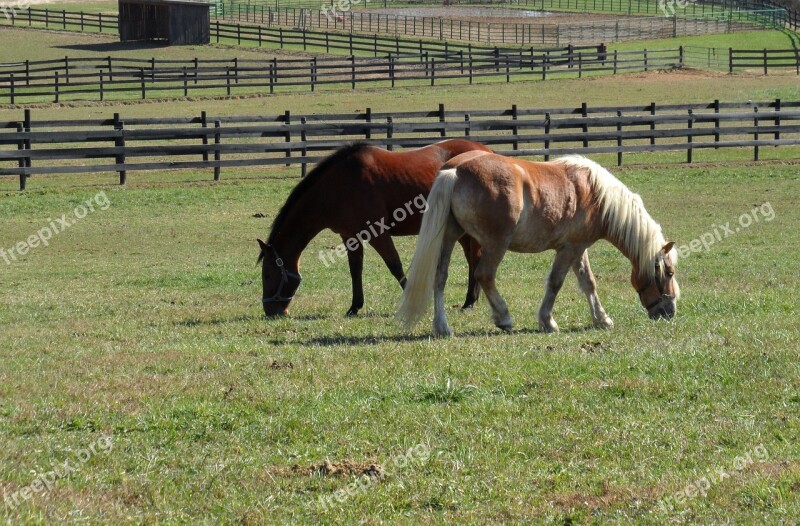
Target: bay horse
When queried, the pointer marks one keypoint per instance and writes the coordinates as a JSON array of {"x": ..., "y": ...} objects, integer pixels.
[
  {"x": 353, "y": 191},
  {"x": 512, "y": 204}
]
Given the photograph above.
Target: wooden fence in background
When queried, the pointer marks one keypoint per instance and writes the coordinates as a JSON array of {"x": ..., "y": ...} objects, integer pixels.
[
  {"x": 100, "y": 78},
  {"x": 547, "y": 31},
  {"x": 29, "y": 147}
]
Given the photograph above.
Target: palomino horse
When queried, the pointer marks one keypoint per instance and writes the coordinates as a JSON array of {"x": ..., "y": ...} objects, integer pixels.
[
  {"x": 512, "y": 204},
  {"x": 355, "y": 192}
]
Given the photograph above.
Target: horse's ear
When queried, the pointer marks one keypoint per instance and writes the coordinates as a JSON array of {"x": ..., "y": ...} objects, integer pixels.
[
  {"x": 668, "y": 247},
  {"x": 262, "y": 244}
]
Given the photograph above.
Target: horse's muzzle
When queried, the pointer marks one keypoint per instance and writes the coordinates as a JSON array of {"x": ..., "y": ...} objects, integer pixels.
[{"x": 664, "y": 310}]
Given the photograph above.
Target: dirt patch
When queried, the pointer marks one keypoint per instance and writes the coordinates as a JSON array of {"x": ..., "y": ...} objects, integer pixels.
[
  {"x": 277, "y": 366},
  {"x": 592, "y": 347},
  {"x": 343, "y": 468}
]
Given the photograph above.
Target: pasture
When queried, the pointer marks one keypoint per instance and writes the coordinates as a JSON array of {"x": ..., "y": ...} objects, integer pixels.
[{"x": 141, "y": 383}]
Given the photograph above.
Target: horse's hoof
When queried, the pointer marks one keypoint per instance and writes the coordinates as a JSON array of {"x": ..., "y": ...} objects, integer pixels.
[
  {"x": 508, "y": 329},
  {"x": 468, "y": 306},
  {"x": 606, "y": 323},
  {"x": 550, "y": 327},
  {"x": 352, "y": 312}
]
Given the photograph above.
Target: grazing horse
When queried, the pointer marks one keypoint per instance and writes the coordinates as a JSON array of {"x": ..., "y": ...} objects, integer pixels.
[
  {"x": 356, "y": 192},
  {"x": 512, "y": 204}
]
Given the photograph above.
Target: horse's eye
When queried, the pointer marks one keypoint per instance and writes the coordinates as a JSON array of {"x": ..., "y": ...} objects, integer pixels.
[{"x": 670, "y": 274}]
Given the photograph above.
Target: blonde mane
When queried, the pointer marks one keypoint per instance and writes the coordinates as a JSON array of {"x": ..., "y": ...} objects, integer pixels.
[{"x": 624, "y": 215}]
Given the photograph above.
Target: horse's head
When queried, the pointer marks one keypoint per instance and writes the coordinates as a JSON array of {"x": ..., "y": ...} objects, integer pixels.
[
  {"x": 279, "y": 282},
  {"x": 659, "y": 293}
]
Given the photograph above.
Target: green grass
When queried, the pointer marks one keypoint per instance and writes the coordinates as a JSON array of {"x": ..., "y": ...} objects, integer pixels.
[
  {"x": 143, "y": 322},
  {"x": 772, "y": 39}
]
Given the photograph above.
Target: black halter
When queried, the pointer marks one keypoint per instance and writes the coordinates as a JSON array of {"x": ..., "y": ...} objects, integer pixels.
[
  {"x": 661, "y": 294},
  {"x": 285, "y": 275}
]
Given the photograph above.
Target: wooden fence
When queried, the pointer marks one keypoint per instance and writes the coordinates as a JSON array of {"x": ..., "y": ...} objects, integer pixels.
[
  {"x": 621, "y": 7},
  {"x": 546, "y": 32},
  {"x": 764, "y": 59},
  {"x": 101, "y": 78},
  {"x": 29, "y": 147}
]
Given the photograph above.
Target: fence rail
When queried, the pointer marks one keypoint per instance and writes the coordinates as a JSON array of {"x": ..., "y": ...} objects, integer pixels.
[
  {"x": 765, "y": 59},
  {"x": 546, "y": 32},
  {"x": 29, "y": 147},
  {"x": 98, "y": 79}
]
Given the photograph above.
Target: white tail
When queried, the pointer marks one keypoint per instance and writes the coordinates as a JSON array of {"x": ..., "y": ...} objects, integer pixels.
[{"x": 422, "y": 273}]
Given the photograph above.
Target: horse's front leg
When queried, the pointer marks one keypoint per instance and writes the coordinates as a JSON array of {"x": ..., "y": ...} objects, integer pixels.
[
  {"x": 355, "y": 259},
  {"x": 588, "y": 285},
  {"x": 561, "y": 264}
]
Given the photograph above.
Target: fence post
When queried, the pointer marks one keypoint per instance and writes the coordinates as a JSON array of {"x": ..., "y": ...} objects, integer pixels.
[
  {"x": 689, "y": 138},
  {"x": 778, "y": 120},
  {"x": 585, "y": 127},
  {"x": 141, "y": 75},
  {"x": 389, "y": 133},
  {"x": 716, "y": 124},
  {"x": 27, "y": 128},
  {"x": 56, "y": 87},
  {"x": 368, "y": 133},
  {"x": 204, "y": 138},
  {"x": 443, "y": 130},
  {"x": 21, "y": 146},
  {"x": 615, "y": 62},
  {"x": 102, "y": 93},
  {"x": 433, "y": 71},
  {"x": 217, "y": 152},
  {"x": 653, "y": 123},
  {"x": 228, "y": 80},
  {"x": 305, "y": 147},
  {"x": 352, "y": 70},
  {"x": 619, "y": 138},
  {"x": 287, "y": 120},
  {"x": 730, "y": 60},
  {"x": 546, "y": 136},
  {"x": 765, "y": 61},
  {"x": 466, "y": 125},
  {"x": 11, "y": 87},
  {"x": 185, "y": 83},
  {"x": 391, "y": 68},
  {"x": 515, "y": 129},
  {"x": 313, "y": 73},
  {"x": 119, "y": 142},
  {"x": 755, "y": 135}
]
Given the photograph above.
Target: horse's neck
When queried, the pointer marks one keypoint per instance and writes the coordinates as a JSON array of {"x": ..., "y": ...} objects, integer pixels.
[{"x": 296, "y": 232}]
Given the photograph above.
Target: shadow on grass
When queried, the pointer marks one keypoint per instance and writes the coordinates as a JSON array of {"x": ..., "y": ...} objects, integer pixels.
[
  {"x": 340, "y": 339},
  {"x": 111, "y": 47}
]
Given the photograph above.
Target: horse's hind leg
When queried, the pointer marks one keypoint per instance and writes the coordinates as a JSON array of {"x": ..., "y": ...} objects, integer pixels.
[
  {"x": 472, "y": 251},
  {"x": 355, "y": 259},
  {"x": 385, "y": 248},
  {"x": 485, "y": 273},
  {"x": 563, "y": 260},
  {"x": 452, "y": 233},
  {"x": 589, "y": 287}
]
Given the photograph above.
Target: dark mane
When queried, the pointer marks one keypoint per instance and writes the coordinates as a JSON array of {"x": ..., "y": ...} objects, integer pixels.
[{"x": 311, "y": 178}]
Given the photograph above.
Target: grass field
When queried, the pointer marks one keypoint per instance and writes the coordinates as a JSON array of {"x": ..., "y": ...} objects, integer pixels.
[
  {"x": 142, "y": 322},
  {"x": 141, "y": 384}
]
